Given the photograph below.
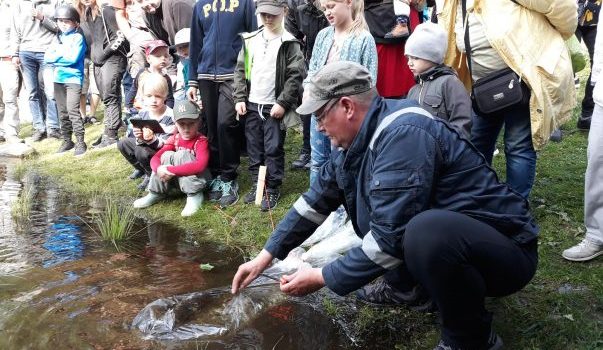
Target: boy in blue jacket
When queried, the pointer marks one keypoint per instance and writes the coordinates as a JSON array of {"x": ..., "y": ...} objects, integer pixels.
[
  {"x": 67, "y": 54},
  {"x": 214, "y": 46}
]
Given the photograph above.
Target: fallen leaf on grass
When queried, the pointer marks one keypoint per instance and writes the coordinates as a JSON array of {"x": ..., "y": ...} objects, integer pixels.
[
  {"x": 206, "y": 267},
  {"x": 569, "y": 317}
]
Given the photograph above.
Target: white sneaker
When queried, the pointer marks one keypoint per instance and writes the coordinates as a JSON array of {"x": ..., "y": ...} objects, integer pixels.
[
  {"x": 193, "y": 203},
  {"x": 583, "y": 251},
  {"x": 148, "y": 200}
]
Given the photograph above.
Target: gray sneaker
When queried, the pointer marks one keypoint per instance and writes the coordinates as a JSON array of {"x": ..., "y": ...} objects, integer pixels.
[
  {"x": 230, "y": 193},
  {"x": 382, "y": 293},
  {"x": 249, "y": 197},
  {"x": 270, "y": 200},
  {"x": 38, "y": 136},
  {"x": 215, "y": 190}
]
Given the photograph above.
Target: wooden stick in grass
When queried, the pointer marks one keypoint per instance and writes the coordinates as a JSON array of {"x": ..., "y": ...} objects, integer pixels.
[{"x": 259, "y": 190}]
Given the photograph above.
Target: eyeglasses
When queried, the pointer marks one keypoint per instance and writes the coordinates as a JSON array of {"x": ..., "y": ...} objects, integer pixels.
[{"x": 326, "y": 110}]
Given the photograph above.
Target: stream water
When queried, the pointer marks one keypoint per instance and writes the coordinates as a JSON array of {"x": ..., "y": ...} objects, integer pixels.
[{"x": 61, "y": 287}]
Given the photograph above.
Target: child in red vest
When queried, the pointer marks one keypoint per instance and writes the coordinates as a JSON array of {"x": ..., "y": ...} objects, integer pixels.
[{"x": 181, "y": 162}]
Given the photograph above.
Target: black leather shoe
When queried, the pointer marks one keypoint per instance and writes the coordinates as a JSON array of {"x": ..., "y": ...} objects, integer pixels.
[
  {"x": 494, "y": 343},
  {"x": 556, "y": 136},
  {"x": 55, "y": 134},
  {"x": 301, "y": 162},
  {"x": 80, "y": 148},
  {"x": 106, "y": 141},
  {"x": 65, "y": 146}
]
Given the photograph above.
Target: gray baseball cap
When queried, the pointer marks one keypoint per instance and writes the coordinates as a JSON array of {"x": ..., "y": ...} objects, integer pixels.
[
  {"x": 272, "y": 7},
  {"x": 185, "y": 109},
  {"x": 336, "y": 79}
]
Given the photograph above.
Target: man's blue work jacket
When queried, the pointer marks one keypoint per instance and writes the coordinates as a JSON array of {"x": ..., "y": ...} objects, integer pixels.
[{"x": 402, "y": 162}]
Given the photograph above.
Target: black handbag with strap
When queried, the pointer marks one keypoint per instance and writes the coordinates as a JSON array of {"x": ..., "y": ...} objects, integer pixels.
[{"x": 497, "y": 91}]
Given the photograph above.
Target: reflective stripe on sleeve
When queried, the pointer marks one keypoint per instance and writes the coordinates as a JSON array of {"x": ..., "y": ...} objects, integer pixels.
[
  {"x": 307, "y": 212},
  {"x": 378, "y": 256}
]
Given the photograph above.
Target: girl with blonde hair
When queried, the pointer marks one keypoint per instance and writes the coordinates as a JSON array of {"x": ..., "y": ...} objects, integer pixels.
[{"x": 346, "y": 39}]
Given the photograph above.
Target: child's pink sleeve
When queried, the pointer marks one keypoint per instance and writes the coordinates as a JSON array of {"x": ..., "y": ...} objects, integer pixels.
[
  {"x": 197, "y": 166},
  {"x": 167, "y": 146}
]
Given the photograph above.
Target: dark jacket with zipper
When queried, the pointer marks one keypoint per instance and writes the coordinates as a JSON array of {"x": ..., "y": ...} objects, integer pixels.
[
  {"x": 215, "y": 40},
  {"x": 169, "y": 18},
  {"x": 403, "y": 161},
  {"x": 289, "y": 73},
  {"x": 441, "y": 93},
  {"x": 304, "y": 21},
  {"x": 104, "y": 33}
]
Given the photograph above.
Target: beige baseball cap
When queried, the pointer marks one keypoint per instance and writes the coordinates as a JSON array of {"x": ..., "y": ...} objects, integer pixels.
[{"x": 273, "y": 7}]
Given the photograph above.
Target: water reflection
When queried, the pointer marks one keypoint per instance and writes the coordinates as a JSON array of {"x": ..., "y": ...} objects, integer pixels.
[
  {"x": 60, "y": 287},
  {"x": 63, "y": 241}
]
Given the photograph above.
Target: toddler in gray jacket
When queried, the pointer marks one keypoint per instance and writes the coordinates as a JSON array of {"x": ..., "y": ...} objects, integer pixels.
[{"x": 438, "y": 88}]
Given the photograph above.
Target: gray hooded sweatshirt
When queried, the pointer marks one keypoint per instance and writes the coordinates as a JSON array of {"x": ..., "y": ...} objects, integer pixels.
[{"x": 28, "y": 33}]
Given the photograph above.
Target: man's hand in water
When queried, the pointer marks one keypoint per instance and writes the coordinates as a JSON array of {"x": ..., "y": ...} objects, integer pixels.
[
  {"x": 250, "y": 271},
  {"x": 302, "y": 282}
]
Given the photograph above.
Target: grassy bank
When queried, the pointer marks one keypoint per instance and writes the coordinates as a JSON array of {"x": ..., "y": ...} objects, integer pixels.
[{"x": 562, "y": 308}]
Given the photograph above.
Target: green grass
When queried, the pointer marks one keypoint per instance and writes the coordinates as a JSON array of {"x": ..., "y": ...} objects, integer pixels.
[
  {"x": 542, "y": 316},
  {"x": 115, "y": 223},
  {"x": 21, "y": 208}
]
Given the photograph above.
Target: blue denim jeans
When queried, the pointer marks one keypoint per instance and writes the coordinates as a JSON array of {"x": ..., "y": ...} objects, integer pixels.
[
  {"x": 519, "y": 151},
  {"x": 32, "y": 64},
  {"x": 320, "y": 149}
]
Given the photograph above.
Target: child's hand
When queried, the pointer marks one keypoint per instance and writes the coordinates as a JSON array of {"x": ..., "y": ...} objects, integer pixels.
[
  {"x": 241, "y": 108},
  {"x": 137, "y": 133},
  {"x": 277, "y": 111},
  {"x": 193, "y": 95},
  {"x": 147, "y": 134},
  {"x": 164, "y": 174}
]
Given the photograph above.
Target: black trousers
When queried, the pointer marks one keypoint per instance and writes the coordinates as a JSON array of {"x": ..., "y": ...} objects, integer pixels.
[
  {"x": 108, "y": 80},
  {"x": 460, "y": 261},
  {"x": 67, "y": 97},
  {"x": 265, "y": 144},
  {"x": 588, "y": 35},
  {"x": 306, "y": 133},
  {"x": 223, "y": 129},
  {"x": 137, "y": 155}
]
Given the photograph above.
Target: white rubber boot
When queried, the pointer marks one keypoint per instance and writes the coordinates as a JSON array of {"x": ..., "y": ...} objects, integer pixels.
[
  {"x": 148, "y": 200},
  {"x": 193, "y": 203}
]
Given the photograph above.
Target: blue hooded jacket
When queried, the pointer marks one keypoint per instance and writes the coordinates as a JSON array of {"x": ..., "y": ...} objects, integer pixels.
[
  {"x": 67, "y": 54},
  {"x": 403, "y": 161},
  {"x": 215, "y": 41}
]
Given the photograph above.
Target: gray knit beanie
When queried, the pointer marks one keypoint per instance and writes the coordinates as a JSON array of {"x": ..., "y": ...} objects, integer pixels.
[{"x": 429, "y": 42}]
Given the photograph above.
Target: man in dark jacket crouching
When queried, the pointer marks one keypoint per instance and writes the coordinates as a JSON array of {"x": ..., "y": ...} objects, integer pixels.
[{"x": 428, "y": 207}]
